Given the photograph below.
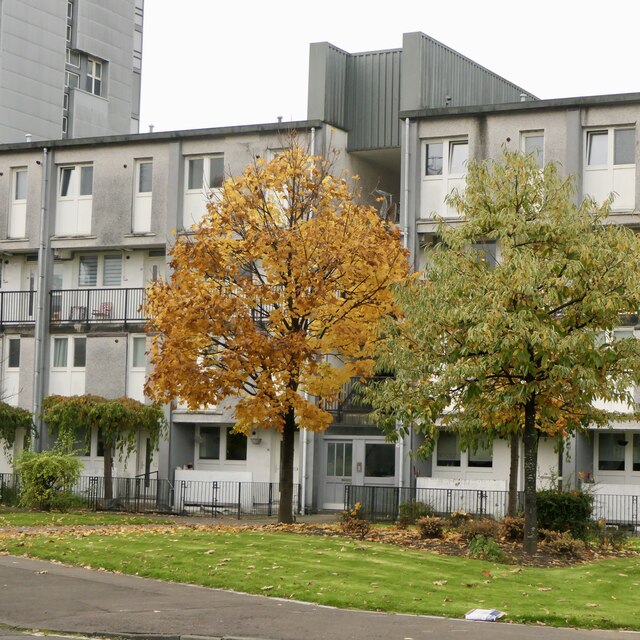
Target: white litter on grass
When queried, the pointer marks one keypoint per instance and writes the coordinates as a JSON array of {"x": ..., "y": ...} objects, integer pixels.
[{"x": 484, "y": 615}]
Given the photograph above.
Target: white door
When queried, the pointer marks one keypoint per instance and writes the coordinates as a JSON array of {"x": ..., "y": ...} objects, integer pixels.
[{"x": 338, "y": 463}]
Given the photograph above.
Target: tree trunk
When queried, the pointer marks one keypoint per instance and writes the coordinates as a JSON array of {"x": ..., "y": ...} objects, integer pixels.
[
  {"x": 530, "y": 473},
  {"x": 285, "y": 508},
  {"x": 514, "y": 445},
  {"x": 108, "y": 484}
]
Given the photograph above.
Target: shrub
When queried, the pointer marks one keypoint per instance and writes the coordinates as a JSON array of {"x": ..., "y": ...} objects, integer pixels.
[
  {"x": 563, "y": 544},
  {"x": 458, "y": 517},
  {"x": 513, "y": 528},
  {"x": 430, "y": 526},
  {"x": 46, "y": 479},
  {"x": 485, "y": 548},
  {"x": 482, "y": 527},
  {"x": 607, "y": 536},
  {"x": 565, "y": 511},
  {"x": 410, "y": 511},
  {"x": 353, "y": 524}
]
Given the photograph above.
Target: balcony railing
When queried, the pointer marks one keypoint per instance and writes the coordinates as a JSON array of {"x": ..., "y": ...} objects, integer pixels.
[
  {"x": 96, "y": 306},
  {"x": 18, "y": 307}
]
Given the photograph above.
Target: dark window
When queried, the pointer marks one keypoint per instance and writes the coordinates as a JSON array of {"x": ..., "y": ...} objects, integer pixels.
[
  {"x": 14, "y": 353},
  {"x": 482, "y": 456},
  {"x": 380, "y": 460},
  {"x": 236, "y": 445},
  {"x": 209, "y": 443},
  {"x": 100, "y": 451},
  {"x": 611, "y": 451},
  {"x": 216, "y": 172},
  {"x": 79, "y": 352},
  {"x": 434, "y": 159},
  {"x": 448, "y": 450}
]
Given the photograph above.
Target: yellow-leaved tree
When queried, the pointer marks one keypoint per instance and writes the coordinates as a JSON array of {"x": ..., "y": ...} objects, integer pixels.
[{"x": 275, "y": 300}]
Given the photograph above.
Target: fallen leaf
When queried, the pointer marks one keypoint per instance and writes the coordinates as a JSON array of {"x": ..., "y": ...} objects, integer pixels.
[{"x": 440, "y": 583}]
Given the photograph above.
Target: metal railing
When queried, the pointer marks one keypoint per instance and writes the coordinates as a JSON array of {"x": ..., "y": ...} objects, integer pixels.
[
  {"x": 97, "y": 306},
  {"x": 18, "y": 307},
  {"x": 380, "y": 504},
  {"x": 147, "y": 494}
]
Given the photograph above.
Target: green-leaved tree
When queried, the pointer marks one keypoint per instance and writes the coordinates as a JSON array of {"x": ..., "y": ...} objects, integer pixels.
[
  {"x": 524, "y": 344},
  {"x": 120, "y": 421}
]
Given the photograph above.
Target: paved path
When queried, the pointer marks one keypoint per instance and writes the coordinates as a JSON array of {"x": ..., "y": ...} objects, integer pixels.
[{"x": 42, "y": 595}]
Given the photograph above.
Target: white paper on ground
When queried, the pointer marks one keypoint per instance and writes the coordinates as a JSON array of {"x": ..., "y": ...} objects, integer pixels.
[{"x": 485, "y": 615}]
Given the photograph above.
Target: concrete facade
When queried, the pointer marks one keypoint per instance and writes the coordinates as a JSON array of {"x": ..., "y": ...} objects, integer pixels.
[{"x": 69, "y": 68}]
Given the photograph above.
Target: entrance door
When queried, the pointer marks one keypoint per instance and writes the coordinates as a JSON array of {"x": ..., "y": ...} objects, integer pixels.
[{"x": 338, "y": 469}]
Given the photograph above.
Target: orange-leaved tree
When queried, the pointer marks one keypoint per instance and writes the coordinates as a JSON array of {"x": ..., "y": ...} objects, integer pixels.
[{"x": 275, "y": 300}]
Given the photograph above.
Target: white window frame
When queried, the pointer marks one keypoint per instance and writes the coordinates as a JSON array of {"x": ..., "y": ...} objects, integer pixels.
[
  {"x": 222, "y": 453},
  {"x": 137, "y": 340},
  {"x": 95, "y": 77},
  {"x": 75, "y": 184},
  {"x": 526, "y": 135},
  {"x": 71, "y": 79},
  {"x": 207, "y": 161},
  {"x": 71, "y": 352}
]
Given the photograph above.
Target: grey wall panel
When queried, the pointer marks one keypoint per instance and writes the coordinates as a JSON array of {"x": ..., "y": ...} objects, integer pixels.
[
  {"x": 327, "y": 84},
  {"x": 106, "y": 365}
]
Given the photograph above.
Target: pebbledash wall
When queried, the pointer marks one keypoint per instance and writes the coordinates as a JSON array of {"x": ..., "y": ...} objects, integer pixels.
[{"x": 106, "y": 208}]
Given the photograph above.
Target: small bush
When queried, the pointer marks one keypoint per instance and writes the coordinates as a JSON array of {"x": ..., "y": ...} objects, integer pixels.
[
  {"x": 46, "y": 479},
  {"x": 410, "y": 511},
  {"x": 563, "y": 544},
  {"x": 607, "y": 536},
  {"x": 9, "y": 496},
  {"x": 430, "y": 527},
  {"x": 482, "y": 527},
  {"x": 458, "y": 517},
  {"x": 485, "y": 548},
  {"x": 513, "y": 528},
  {"x": 565, "y": 511},
  {"x": 353, "y": 524}
]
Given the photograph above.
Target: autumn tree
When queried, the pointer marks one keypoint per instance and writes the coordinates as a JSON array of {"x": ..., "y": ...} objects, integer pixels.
[
  {"x": 275, "y": 300},
  {"x": 119, "y": 421},
  {"x": 524, "y": 344}
]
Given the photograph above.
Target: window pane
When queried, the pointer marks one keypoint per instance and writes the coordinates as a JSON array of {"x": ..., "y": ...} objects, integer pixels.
[
  {"x": 636, "y": 451},
  {"x": 331, "y": 458},
  {"x": 60, "y": 352},
  {"x": 14, "y": 353},
  {"x": 138, "y": 358},
  {"x": 88, "y": 276},
  {"x": 79, "y": 352},
  {"x": 145, "y": 177},
  {"x": 236, "y": 445},
  {"x": 434, "y": 159},
  {"x": 611, "y": 451},
  {"x": 66, "y": 180},
  {"x": 535, "y": 145},
  {"x": 216, "y": 172},
  {"x": 82, "y": 442},
  {"x": 112, "y": 276},
  {"x": 482, "y": 456},
  {"x": 100, "y": 450},
  {"x": 459, "y": 154},
  {"x": 86, "y": 181},
  {"x": 597, "y": 152},
  {"x": 380, "y": 460},
  {"x": 21, "y": 186},
  {"x": 448, "y": 450},
  {"x": 210, "y": 443},
  {"x": 624, "y": 151},
  {"x": 195, "y": 173}
]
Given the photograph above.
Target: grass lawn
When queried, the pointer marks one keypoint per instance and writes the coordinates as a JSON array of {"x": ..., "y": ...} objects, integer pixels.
[
  {"x": 351, "y": 574},
  {"x": 43, "y": 519}
]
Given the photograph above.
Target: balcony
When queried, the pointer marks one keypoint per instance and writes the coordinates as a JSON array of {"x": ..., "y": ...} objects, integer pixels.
[
  {"x": 97, "y": 306},
  {"x": 18, "y": 307}
]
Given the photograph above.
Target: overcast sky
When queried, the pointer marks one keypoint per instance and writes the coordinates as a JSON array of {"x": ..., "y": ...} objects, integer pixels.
[{"x": 209, "y": 63}]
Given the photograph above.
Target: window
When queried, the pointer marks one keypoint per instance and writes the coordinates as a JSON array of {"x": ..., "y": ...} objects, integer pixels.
[
  {"x": 93, "y": 81},
  {"x": 18, "y": 213},
  {"x": 75, "y": 191},
  {"x": 112, "y": 274},
  {"x": 482, "y": 456},
  {"x": 236, "y": 445},
  {"x": 79, "y": 352},
  {"x": 60, "y": 349},
  {"x": 71, "y": 80},
  {"x": 209, "y": 443},
  {"x": 339, "y": 458},
  {"x": 73, "y": 58},
  {"x": 65, "y": 124},
  {"x": 445, "y": 168},
  {"x": 533, "y": 144},
  {"x": 448, "y": 450},
  {"x": 20, "y": 184},
  {"x": 138, "y": 348},
  {"x": 611, "y": 448},
  {"x": 379, "y": 460},
  {"x": 145, "y": 176},
  {"x": 636, "y": 451},
  {"x": 88, "y": 273},
  {"x": 13, "y": 361},
  {"x": 205, "y": 173}
]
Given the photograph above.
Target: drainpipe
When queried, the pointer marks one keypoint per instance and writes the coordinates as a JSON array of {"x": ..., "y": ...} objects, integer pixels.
[
  {"x": 42, "y": 297},
  {"x": 312, "y": 144}
]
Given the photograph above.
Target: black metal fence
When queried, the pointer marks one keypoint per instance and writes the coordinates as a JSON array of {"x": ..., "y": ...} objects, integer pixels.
[
  {"x": 97, "y": 305},
  {"x": 147, "y": 494},
  {"x": 380, "y": 504},
  {"x": 18, "y": 307}
]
